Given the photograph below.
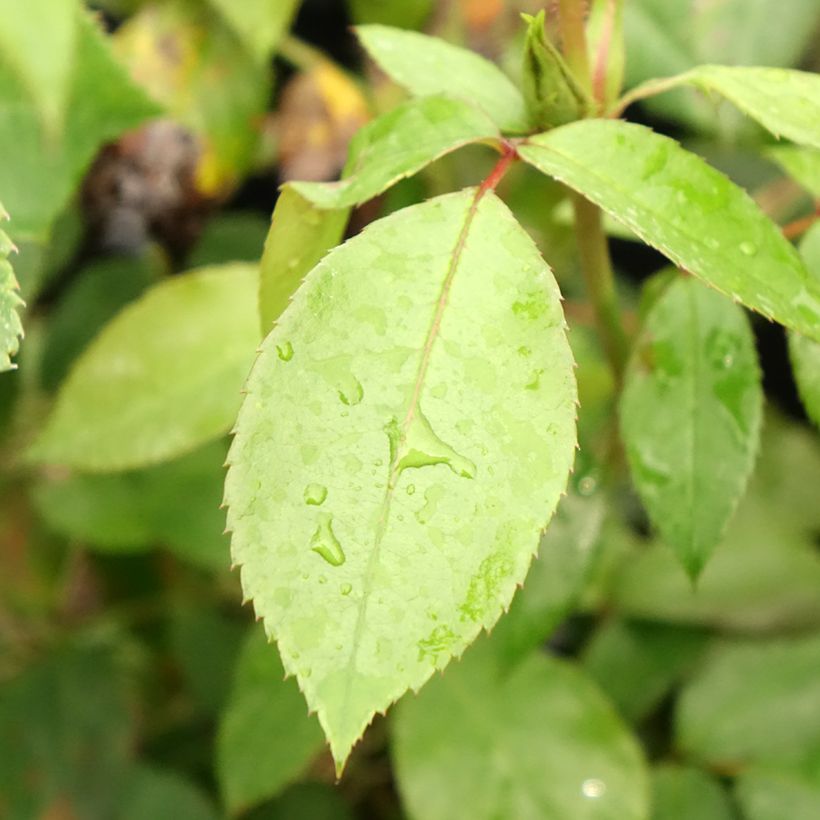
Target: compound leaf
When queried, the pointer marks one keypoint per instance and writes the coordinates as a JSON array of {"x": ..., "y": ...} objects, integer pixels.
[
  {"x": 690, "y": 416},
  {"x": 161, "y": 378},
  {"x": 687, "y": 210},
  {"x": 397, "y": 145},
  {"x": 407, "y": 431},
  {"x": 427, "y": 65}
]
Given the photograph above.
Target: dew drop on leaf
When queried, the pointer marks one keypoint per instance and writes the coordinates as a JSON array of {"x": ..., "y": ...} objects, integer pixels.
[
  {"x": 315, "y": 494},
  {"x": 346, "y": 589},
  {"x": 351, "y": 391},
  {"x": 325, "y": 543},
  {"x": 748, "y": 248},
  {"x": 285, "y": 351}
]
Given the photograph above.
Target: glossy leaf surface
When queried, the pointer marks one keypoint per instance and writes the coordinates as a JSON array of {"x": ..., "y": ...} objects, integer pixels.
[
  {"x": 265, "y": 736},
  {"x": 300, "y": 235},
  {"x": 11, "y": 329},
  {"x": 690, "y": 416},
  {"x": 397, "y": 145},
  {"x": 687, "y": 210},
  {"x": 161, "y": 378},
  {"x": 540, "y": 742},
  {"x": 421, "y": 371},
  {"x": 427, "y": 65}
]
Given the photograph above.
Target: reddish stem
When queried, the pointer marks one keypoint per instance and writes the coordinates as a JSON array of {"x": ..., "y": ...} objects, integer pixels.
[
  {"x": 800, "y": 226},
  {"x": 599, "y": 75},
  {"x": 508, "y": 156}
]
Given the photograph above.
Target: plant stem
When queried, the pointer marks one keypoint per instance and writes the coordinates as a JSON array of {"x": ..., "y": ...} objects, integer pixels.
[
  {"x": 596, "y": 267},
  {"x": 796, "y": 229},
  {"x": 574, "y": 40}
]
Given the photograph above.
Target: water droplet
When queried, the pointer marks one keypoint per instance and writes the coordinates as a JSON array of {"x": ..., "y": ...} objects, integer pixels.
[
  {"x": 285, "y": 351},
  {"x": 315, "y": 494},
  {"x": 535, "y": 380},
  {"x": 346, "y": 589},
  {"x": 748, "y": 248},
  {"x": 728, "y": 360},
  {"x": 323, "y": 579},
  {"x": 325, "y": 543},
  {"x": 524, "y": 351},
  {"x": 411, "y": 488},
  {"x": 432, "y": 496},
  {"x": 351, "y": 392},
  {"x": 421, "y": 447},
  {"x": 593, "y": 788},
  {"x": 587, "y": 485}
]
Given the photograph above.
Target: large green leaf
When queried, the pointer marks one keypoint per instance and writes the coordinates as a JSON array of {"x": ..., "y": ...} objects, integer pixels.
[
  {"x": 265, "y": 736},
  {"x": 260, "y": 24},
  {"x": 38, "y": 44},
  {"x": 778, "y": 790},
  {"x": 539, "y": 743},
  {"x": 426, "y": 65},
  {"x": 300, "y": 235},
  {"x": 161, "y": 378},
  {"x": 687, "y": 210},
  {"x": 11, "y": 329},
  {"x": 805, "y": 353},
  {"x": 802, "y": 164},
  {"x": 690, "y": 416},
  {"x": 424, "y": 371},
  {"x": 680, "y": 793},
  {"x": 753, "y": 701},
  {"x": 400, "y": 13},
  {"x": 39, "y": 171},
  {"x": 397, "y": 145},
  {"x": 151, "y": 792}
]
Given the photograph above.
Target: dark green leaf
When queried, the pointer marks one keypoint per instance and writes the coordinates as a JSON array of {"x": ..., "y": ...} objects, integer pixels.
[
  {"x": 153, "y": 793},
  {"x": 780, "y": 791},
  {"x": 259, "y": 24},
  {"x": 680, "y": 793}
]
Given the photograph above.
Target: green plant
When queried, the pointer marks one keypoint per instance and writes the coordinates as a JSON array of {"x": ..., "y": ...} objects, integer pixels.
[{"x": 410, "y": 424}]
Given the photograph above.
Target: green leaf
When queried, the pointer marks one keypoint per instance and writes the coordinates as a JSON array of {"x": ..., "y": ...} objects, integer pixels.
[
  {"x": 68, "y": 722},
  {"x": 684, "y": 793},
  {"x": 11, "y": 328},
  {"x": 397, "y": 145},
  {"x": 38, "y": 45},
  {"x": 399, "y": 13},
  {"x": 687, "y": 210},
  {"x": 259, "y": 24},
  {"x": 305, "y": 801},
  {"x": 567, "y": 552},
  {"x": 265, "y": 737},
  {"x": 424, "y": 368},
  {"x": 805, "y": 353},
  {"x": 133, "y": 511},
  {"x": 152, "y": 792},
  {"x": 752, "y": 701},
  {"x": 776, "y": 791},
  {"x": 161, "y": 378},
  {"x": 300, "y": 235},
  {"x": 426, "y": 65},
  {"x": 232, "y": 236},
  {"x": 638, "y": 662},
  {"x": 802, "y": 164},
  {"x": 690, "y": 416},
  {"x": 38, "y": 172},
  {"x": 540, "y": 742}
]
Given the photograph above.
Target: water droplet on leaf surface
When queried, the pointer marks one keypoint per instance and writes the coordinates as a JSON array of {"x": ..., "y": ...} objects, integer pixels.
[
  {"x": 285, "y": 351},
  {"x": 315, "y": 494},
  {"x": 325, "y": 543}
]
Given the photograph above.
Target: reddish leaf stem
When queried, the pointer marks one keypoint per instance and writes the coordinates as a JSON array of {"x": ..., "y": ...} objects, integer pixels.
[
  {"x": 508, "y": 156},
  {"x": 797, "y": 228}
]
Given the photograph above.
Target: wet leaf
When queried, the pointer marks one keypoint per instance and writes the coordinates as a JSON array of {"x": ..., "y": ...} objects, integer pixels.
[
  {"x": 397, "y": 145},
  {"x": 540, "y": 742},
  {"x": 752, "y": 701},
  {"x": 684, "y": 793},
  {"x": 690, "y": 416},
  {"x": 300, "y": 235},
  {"x": 687, "y": 210},
  {"x": 259, "y": 24},
  {"x": 11, "y": 328},
  {"x": 424, "y": 370},
  {"x": 775, "y": 791},
  {"x": 801, "y": 164},
  {"x": 161, "y": 378},
  {"x": 426, "y": 65},
  {"x": 265, "y": 736}
]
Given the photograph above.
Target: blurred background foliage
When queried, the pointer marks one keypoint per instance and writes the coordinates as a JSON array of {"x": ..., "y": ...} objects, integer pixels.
[{"x": 150, "y": 138}]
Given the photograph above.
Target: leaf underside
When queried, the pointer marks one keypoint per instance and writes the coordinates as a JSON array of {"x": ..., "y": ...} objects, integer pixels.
[
  {"x": 690, "y": 416},
  {"x": 687, "y": 210},
  {"x": 407, "y": 432},
  {"x": 11, "y": 329}
]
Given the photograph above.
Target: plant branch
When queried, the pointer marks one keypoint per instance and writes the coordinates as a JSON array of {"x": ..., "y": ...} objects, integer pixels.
[
  {"x": 574, "y": 40},
  {"x": 797, "y": 228},
  {"x": 596, "y": 267},
  {"x": 648, "y": 89}
]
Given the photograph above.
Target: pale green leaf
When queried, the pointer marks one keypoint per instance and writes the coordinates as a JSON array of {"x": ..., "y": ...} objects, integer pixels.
[
  {"x": 687, "y": 210},
  {"x": 778, "y": 791},
  {"x": 259, "y": 24},
  {"x": 38, "y": 173},
  {"x": 265, "y": 736},
  {"x": 11, "y": 328},
  {"x": 683, "y": 793},
  {"x": 424, "y": 372},
  {"x": 37, "y": 43},
  {"x": 690, "y": 416},
  {"x": 399, "y": 13},
  {"x": 541, "y": 742},
  {"x": 805, "y": 353},
  {"x": 802, "y": 164},
  {"x": 753, "y": 701},
  {"x": 565, "y": 556},
  {"x": 427, "y": 65},
  {"x": 397, "y": 145},
  {"x": 300, "y": 235},
  {"x": 153, "y": 793},
  {"x": 161, "y": 378},
  {"x": 638, "y": 662},
  {"x": 136, "y": 510}
]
